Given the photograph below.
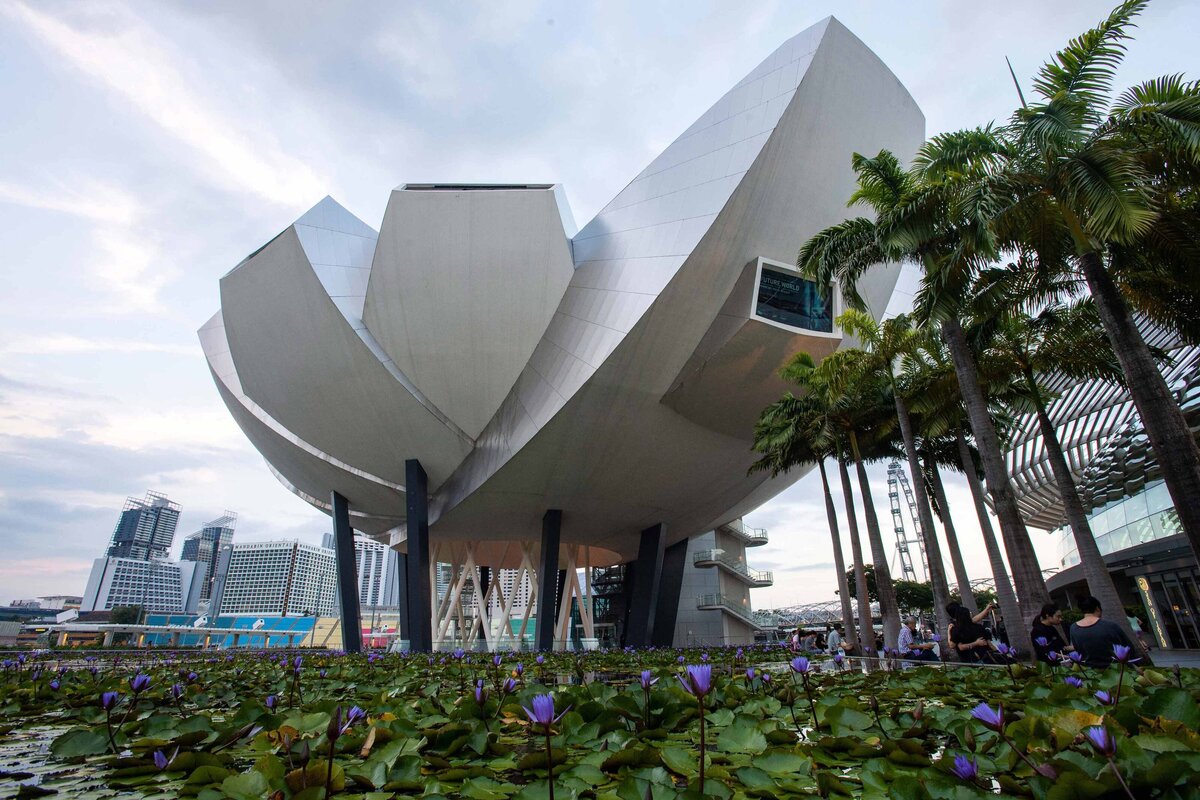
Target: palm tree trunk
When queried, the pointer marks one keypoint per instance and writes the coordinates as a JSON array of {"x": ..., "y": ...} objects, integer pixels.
[
  {"x": 889, "y": 609},
  {"x": 1027, "y": 572},
  {"x": 866, "y": 626},
  {"x": 956, "y": 560},
  {"x": 1166, "y": 427},
  {"x": 933, "y": 551},
  {"x": 839, "y": 563},
  {"x": 1099, "y": 579},
  {"x": 1010, "y": 609}
]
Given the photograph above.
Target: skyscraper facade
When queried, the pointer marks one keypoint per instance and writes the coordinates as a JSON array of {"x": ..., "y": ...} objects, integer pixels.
[
  {"x": 204, "y": 547},
  {"x": 146, "y": 528},
  {"x": 280, "y": 578}
]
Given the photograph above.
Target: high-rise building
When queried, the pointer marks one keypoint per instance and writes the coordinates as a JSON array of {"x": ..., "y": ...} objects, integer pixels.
[
  {"x": 377, "y": 567},
  {"x": 152, "y": 585},
  {"x": 204, "y": 547},
  {"x": 279, "y": 578},
  {"x": 146, "y": 528}
]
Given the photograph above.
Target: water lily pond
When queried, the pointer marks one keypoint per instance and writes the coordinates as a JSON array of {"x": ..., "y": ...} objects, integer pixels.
[{"x": 604, "y": 725}]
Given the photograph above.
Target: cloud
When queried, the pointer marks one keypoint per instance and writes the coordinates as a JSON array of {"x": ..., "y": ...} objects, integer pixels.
[
  {"x": 66, "y": 344},
  {"x": 128, "y": 58},
  {"x": 92, "y": 200}
]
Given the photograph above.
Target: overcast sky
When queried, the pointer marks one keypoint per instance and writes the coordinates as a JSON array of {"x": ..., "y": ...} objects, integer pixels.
[{"x": 149, "y": 147}]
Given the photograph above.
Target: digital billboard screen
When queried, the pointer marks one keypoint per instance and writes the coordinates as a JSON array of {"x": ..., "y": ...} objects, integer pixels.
[{"x": 787, "y": 298}]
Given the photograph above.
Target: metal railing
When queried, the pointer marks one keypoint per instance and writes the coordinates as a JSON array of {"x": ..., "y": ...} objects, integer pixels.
[
  {"x": 710, "y": 602},
  {"x": 751, "y": 537},
  {"x": 755, "y": 577}
]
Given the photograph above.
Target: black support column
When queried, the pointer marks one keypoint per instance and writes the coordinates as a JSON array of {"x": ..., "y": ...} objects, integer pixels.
[
  {"x": 547, "y": 596},
  {"x": 420, "y": 612},
  {"x": 347, "y": 575},
  {"x": 646, "y": 575},
  {"x": 669, "y": 586},
  {"x": 402, "y": 594}
]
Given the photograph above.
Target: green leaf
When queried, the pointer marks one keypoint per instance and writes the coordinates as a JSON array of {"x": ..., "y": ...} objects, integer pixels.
[
  {"x": 202, "y": 776},
  {"x": 246, "y": 786},
  {"x": 79, "y": 742},
  {"x": 679, "y": 761},
  {"x": 782, "y": 762},
  {"x": 1172, "y": 703},
  {"x": 743, "y": 736},
  {"x": 484, "y": 789}
]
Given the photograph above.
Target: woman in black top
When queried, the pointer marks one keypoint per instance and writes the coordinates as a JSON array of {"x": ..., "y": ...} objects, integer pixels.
[
  {"x": 969, "y": 638},
  {"x": 1045, "y": 636}
]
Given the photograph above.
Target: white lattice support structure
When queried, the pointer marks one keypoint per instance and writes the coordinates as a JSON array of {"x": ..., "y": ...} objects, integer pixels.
[{"x": 491, "y": 621}]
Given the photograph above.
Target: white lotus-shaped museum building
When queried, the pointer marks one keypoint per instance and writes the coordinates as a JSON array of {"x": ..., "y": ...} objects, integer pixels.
[{"x": 478, "y": 383}]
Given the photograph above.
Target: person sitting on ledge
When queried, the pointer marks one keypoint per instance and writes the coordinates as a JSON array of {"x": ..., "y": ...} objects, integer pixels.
[
  {"x": 1094, "y": 637},
  {"x": 1045, "y": 634},
  {"x": 911, "y": 649}
]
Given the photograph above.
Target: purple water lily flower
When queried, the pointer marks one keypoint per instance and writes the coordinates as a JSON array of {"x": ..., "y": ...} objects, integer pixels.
[
  {"x": 1075, "y": 656},
  {"x": 750, "y": 673},
  {"x": 519, "y": 669},
  {"x": 542, "y": 712},
  {"x": 109, "y": 700},
  {"x": 54, "y": 684},
  {"x": 1042, "y": 641},
  {"x": 160, "y": 760},
  {"x": 497, "y": 660},
  {"x": 480, "y": 693},
  {"x": 1105, "y": 698},
  {"x": 766, "y": 677},
  {"x": 270, "y": 702},
  {"x": 739, "y": 654},
  {"x": 1002, "y": 648},
  {"x": 801, "y": 665},
  {"x": 541, "y": 659},
  {"x": 192, "y": 677},
  {"x": 681, "y": 659},
  {"x": 1053, "y": 656},
  {"x": 698, "y": 681},
  {"x": 1071, "y": 680},
  {"x": 353, "y": 716},
  {"x": 991, "y": 718},
  {"x": 704, "y": 656},
  {"x": 838, "y": 658},
  {"x": 510, "y": 686},
  {"x": 177, "y": 690},
  {"x": 648, "y": 679},
  {"x": 1121, "y": 654},
  {"x": 1102, "y": 740},
  {"x": 459, "y": 653},
  {"x": 964, "y": 768},
  {"x": 139, "y": 683}
]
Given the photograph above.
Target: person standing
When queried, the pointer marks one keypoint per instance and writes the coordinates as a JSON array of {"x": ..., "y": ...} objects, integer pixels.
[{"x": 1094, "y": 637}]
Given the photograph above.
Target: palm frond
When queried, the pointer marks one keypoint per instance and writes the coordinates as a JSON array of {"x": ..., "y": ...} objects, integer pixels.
[{"x": 1086, "y": 66}]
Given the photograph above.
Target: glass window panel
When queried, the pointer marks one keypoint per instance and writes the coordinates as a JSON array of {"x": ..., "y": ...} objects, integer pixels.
[
  {"x": 1136, "y": 508},
  {"x": 1100, "y": 524},
  {"x": 1158, "y": 498}
]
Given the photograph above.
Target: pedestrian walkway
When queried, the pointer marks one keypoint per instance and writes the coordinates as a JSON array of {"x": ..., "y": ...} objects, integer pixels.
[{"x": 1171, "y": 658}]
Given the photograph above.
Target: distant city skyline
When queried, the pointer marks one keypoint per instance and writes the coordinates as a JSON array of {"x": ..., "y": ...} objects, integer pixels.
[{"x": 148, "y": 161}]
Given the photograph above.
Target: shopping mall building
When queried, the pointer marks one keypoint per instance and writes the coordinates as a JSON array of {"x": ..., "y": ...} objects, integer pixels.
[{"x": 1130, "y": 511}]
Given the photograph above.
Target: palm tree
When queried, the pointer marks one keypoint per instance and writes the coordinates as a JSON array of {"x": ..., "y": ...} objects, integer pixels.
[
  {"x": 1059, "y": 341},
  {"x": 1106, "y": 190},
  {"x": 885, "y": 344},
  {"x": 917, "y": 221},
  {"x": 859, "y": 420},
  {"x": 938, "y": 495},
  {"x": 866, "y": 621},
  {"x": 789, "y": 433},
  {"x": 938, "y": 399}
]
